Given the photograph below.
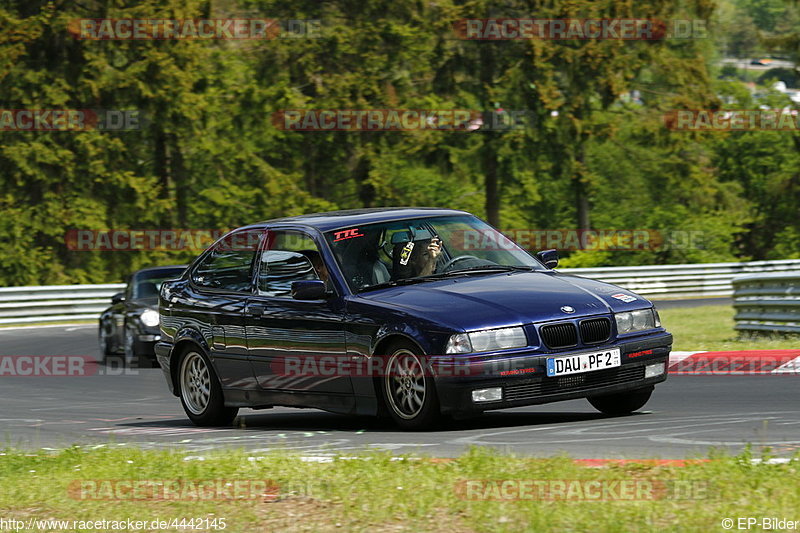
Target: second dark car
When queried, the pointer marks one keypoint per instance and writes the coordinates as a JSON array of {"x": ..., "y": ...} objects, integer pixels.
[{"x": 130, "y": 325}]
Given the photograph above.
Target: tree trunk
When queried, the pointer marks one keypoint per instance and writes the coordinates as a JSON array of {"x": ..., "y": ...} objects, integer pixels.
[
  {"x": 178, "y": 172},
  {"x": 491, "y": 185},
  {"x": 161, "y": 168},
  {"x": 582, "y": 206},
  {"x": 489, "y": 148}
]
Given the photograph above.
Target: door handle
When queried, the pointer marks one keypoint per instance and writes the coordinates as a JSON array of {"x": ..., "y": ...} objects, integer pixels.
[{"x": 256, "y": 310}]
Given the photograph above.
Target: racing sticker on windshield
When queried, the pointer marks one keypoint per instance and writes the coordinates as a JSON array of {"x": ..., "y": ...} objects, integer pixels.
[
  {"x": 346, "y": 234},
  {"x": 627, "y": 298},
  {"x": 405, "y": 253}
]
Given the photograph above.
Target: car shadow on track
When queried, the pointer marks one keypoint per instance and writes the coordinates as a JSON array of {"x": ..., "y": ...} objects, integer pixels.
[{"x": 329, "y": 422}]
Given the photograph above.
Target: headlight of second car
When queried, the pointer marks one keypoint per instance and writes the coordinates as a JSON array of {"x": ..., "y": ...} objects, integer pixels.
[
  {"x": 487, "y": 340},
  {"x": 149, "y": 318},
  {"x": 640, "y": 320}
]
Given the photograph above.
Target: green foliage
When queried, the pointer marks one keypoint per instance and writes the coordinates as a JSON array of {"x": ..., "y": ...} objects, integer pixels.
[{"x": 595, "y": 152}]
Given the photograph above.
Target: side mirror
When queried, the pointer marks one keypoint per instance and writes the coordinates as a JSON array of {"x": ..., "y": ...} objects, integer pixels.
[
  {"x": 118, "y": 298},
  {"x": 549, "y": 258},
  {"x": 312, "y": 289}
]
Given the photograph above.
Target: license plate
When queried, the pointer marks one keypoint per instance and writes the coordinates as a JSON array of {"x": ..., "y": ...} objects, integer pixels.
[{"x": 583, "y": 362}]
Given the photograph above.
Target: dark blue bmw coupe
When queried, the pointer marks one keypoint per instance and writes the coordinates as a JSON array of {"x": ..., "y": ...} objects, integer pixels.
[{"x": 410, "y": 313}]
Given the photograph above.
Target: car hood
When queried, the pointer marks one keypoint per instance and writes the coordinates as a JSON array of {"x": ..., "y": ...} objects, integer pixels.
[{"x": 497, "y": 300}]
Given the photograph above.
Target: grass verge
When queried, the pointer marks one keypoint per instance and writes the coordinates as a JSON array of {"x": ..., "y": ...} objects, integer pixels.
[
  {"x": 381, "y": 493},
  {"x": 710, "y": 328}
]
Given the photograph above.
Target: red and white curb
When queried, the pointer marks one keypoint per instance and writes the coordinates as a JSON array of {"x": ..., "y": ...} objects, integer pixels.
[{"x": 740, "y": 362}]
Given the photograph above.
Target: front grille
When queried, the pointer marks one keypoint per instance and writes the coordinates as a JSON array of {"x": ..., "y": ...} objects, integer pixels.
[
  {"x": 595, "y": 330},
  {"x": 576, "y": 383},
  {"x": 562, "y": 335}
]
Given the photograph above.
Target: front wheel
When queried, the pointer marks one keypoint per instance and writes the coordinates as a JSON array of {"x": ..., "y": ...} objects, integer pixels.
[
  {"x": 105, "y": 341},
  {"x": 201, "y": 394},
  {"x": 621, "y": 403},
  {"x": 129, "y": 348},
  {"x": 408, "y": 391}
]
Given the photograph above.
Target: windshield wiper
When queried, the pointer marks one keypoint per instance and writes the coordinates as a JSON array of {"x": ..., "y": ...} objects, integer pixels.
[
  {"x": 488, "y": 268},
  {"x": 440, "y": 275}
]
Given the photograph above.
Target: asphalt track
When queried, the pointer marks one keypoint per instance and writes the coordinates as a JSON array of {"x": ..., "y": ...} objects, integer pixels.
[{"x": 117, "y": 407}]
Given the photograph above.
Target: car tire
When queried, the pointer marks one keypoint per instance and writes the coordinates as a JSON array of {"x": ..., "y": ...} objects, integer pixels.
[
  {"x": 408, "y": 393},
  {"x": 200, "y": 391},
  {"x": 129, "y": 348},
  {"x": 621, "y": 403},
  {"x": 105, "y": 341}
]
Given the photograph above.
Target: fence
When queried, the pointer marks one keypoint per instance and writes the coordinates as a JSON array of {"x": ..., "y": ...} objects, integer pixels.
[
  {"x": 683, "y": 281},
  {"x": 767, "y": 302},
  {"x": 19, "y": 305},
  {"x": 55, "y": 303}
]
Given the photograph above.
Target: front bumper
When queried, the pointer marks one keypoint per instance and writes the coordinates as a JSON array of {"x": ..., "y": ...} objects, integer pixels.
[
  {"x": 144, "y": 341},
  {"x": 523, "y": 378}
]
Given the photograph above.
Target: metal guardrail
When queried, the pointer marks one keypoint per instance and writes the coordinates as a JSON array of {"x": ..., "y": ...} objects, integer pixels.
[
  {"x": 767, "y": 302},
  {"x": 56, "y": 303},
  {"x": 683, "y": 281}
]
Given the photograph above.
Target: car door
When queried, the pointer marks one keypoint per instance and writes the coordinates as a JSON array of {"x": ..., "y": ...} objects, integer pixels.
[
  {"x": 215, "y": 300},
  {"x": 294, "y": 345}
]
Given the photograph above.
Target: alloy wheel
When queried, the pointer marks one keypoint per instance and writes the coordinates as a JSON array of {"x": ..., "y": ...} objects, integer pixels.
[
  {"x": 195, "y": 383},
  {"x": 405, "y": 384}
]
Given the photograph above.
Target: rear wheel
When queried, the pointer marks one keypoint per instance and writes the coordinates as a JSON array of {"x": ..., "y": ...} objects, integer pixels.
[
  {"x": 621, "y": 403},
  {"x": 200, "y": 392},
  {"x": 409, "y": 393}
]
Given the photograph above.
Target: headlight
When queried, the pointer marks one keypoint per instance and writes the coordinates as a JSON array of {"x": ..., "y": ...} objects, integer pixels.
[
  {"x": 149, "y": 318},
  {"x": 636, "y": 321},
  {"x": 487, "y": 340},
  {"x": 459, "y": 343}
]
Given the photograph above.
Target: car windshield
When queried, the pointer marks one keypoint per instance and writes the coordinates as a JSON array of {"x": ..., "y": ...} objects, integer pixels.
[
  {"x": 417, "y": 250},
  {"x": 148, "y": 284}
]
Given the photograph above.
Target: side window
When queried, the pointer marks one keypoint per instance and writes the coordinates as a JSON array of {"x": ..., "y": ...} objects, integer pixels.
[
  {"x": 291, "y": 256},
  {"x": 229, "y": 265}
]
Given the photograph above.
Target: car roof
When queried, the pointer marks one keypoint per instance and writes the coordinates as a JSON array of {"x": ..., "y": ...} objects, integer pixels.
[{"x": 353, "y": 217}]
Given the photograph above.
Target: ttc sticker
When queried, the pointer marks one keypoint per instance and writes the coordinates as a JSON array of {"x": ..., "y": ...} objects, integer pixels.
[
  {"x": 627, "y": 298},
  {"x": 346, "y": 234}
]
